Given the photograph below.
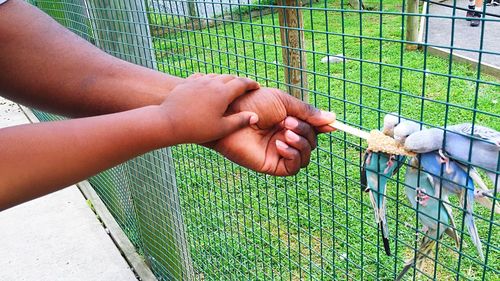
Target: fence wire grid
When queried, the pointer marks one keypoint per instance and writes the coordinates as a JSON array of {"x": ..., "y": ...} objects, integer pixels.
[{"x": 194, "y": 215}]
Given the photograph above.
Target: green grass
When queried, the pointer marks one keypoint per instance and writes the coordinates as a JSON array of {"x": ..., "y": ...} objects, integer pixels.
[{"x": 319, "y": 224}]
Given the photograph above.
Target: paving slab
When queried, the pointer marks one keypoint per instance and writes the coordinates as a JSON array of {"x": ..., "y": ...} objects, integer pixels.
[
  {"x": 55, "y": 237},
  {"x": 466, "y": 36}
]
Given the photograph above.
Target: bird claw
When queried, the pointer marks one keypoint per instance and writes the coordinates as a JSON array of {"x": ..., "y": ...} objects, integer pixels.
[
  {"x": 444, "y": 160},
  {"x": 421, "y": 197},
  {"x": 368, "y": 157},
  {"x": 389, "y": 163}
]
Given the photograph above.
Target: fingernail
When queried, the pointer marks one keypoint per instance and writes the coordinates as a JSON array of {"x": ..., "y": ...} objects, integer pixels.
[
  {"x": 281, "y": 144},
  {"x": 291, "y": 136},
  {"x": 291, "y": 123},
  {"x": 254, "y": 119},
  {"x": 328, "y": 115}
]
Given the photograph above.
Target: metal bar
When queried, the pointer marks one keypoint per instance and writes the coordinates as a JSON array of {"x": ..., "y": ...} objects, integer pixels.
[{"x": 115, "y": 23}]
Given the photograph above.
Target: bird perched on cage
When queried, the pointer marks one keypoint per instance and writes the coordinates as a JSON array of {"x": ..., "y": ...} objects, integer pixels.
[
  {"x": 483, "y": 147},
  {"x": 434, "y": 214},
  {"x": 453, "y": 180},
  {"x": 377, "y": 168},
  {"x": 457, "y": 147},
  {"x": 399, "y": 127},
  {"x": 391, "y": 120}
]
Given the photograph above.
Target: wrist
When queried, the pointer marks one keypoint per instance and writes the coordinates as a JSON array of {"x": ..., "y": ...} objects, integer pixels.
[
  {"x": 150, "y": 87},
  {"x": 161, "y": 126}
]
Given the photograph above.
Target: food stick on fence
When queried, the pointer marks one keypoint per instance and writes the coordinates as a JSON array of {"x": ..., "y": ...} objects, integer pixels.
[{"x": 377, "y": 141}]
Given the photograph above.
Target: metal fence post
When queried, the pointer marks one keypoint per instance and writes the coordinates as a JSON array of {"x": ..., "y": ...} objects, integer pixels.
[
  {"x": 121, "y": 28},
  {"x": 292, "y": 39}
]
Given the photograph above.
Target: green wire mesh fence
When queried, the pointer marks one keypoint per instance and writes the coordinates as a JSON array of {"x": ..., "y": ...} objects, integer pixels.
[{"x": 194, "y": 215}]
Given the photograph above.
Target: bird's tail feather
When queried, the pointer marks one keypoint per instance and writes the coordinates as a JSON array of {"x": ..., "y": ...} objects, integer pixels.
[
  {"x": 380, "y": 219},
  {"x": 469, "y": 221},
  {"x": 423, "y": 251},
  {"x": 454, "y": 235},
  {"x": 471, "y": 227},
  {"x": 495, "y": 179},
  {"x": 385, "y": 241}
]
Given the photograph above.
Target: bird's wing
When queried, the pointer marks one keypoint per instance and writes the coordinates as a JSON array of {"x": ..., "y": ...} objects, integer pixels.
[{"x": 482, "y": 132}]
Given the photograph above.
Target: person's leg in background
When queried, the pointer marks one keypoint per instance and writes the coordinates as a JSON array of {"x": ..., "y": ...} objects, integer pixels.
[{"x": 474, "y": 13}]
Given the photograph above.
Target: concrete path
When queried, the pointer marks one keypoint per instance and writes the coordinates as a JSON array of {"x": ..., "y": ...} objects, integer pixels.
[
  {"x": 56, "y": 237},
  {"x": 465, "y": 36}
]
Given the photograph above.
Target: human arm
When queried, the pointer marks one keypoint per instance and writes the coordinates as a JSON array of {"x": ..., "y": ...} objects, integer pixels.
[
  {"x": 281, "y": 142},
  {"x": 46, "y": 66},
  {"x": 45, "y": 71},
  {"x": 40, "y": 158}
]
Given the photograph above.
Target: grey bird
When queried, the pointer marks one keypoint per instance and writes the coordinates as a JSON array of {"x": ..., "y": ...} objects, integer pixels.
[
  {"x": 406, "y": 128},
  {"x": 399, "y": 127},
  {"x": 419, "y": 188},
  {"x": 480, "y": 142},
  {"x": 453, "y": 180}
]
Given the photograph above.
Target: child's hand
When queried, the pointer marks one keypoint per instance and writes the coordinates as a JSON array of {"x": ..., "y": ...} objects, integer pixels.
[
  {"x": 281, "y": 142},
  {"x": 196, "y": 109}
]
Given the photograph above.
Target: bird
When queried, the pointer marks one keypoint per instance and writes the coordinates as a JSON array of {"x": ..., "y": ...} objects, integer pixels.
[
  {"x": 419, "y": 188},
  {"x": 404, "y": 129},
  {"x": 391, "y": 120},
  {"x": 377, "y": 168},
  {"x": 399, "y": 127},
  {"x": 453, "y": 180},
  {"x": 480, "y": 142}
]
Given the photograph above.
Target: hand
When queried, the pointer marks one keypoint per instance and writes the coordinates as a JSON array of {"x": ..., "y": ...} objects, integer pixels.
[
  {"x": 196, "y": 110},
  {"x": 281, "y": 141}
]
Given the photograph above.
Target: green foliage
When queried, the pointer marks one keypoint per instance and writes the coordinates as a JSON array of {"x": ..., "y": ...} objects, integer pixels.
[{"x": 319, "y": 224}]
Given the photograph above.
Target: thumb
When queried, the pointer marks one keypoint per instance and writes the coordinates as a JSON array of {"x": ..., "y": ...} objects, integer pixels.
[
  {"x": 307, "y": 112},
  {"x": 239, "y": 120}
]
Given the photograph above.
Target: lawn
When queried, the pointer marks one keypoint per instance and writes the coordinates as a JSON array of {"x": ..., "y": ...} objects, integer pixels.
[{"x": 319, "y": 224}]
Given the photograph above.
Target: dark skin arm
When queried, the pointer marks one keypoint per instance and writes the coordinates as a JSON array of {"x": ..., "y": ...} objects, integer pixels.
[
  {"x": 40, "y": 158},
  {"x": 47, "y": 67}
]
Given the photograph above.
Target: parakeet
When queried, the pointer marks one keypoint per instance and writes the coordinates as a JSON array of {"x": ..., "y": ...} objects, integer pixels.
[
  {"x": 453, "y": 180},
  {"x": 404, "y": 129},
  {"x": 391, "y": 120},
  {"x": 399, "y": 127},
  {"x": 419, "y": 188},
  {"x": 484, "y": 152},
  {"x": 376, "y": 170}
]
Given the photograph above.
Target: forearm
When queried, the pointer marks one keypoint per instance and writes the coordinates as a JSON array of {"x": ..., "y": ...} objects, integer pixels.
[
  {"x": 48, "y": 67},
  {"x": 37, "y": 159}
]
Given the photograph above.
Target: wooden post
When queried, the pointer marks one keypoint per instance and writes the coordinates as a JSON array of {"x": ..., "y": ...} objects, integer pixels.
[
  {"x": 357, "y": 4},
  {"x": 121, "y": 28},
  {"x": 192, "y": 8},
  {"x": 422, "y": 25},
  {"x": 412, "y": 25},
  {"x": 292, "y": 39}
]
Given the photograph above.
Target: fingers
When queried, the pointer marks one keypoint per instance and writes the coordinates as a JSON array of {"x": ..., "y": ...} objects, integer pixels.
[
  {"x": 301, "y": 144},
  {"x": 291, "y": 159},
  {"x": 225, "y": 78},
  {"x": 306, "y": 112},
  {"x": 238, "y": 120},
  {"x": 303, "y": 129},
  {"x": 235, "y": 85},
  {"x": 239, "y": 86},
  {"x": 325, "y": 129},
  {"x": 195, "y": 76}
]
